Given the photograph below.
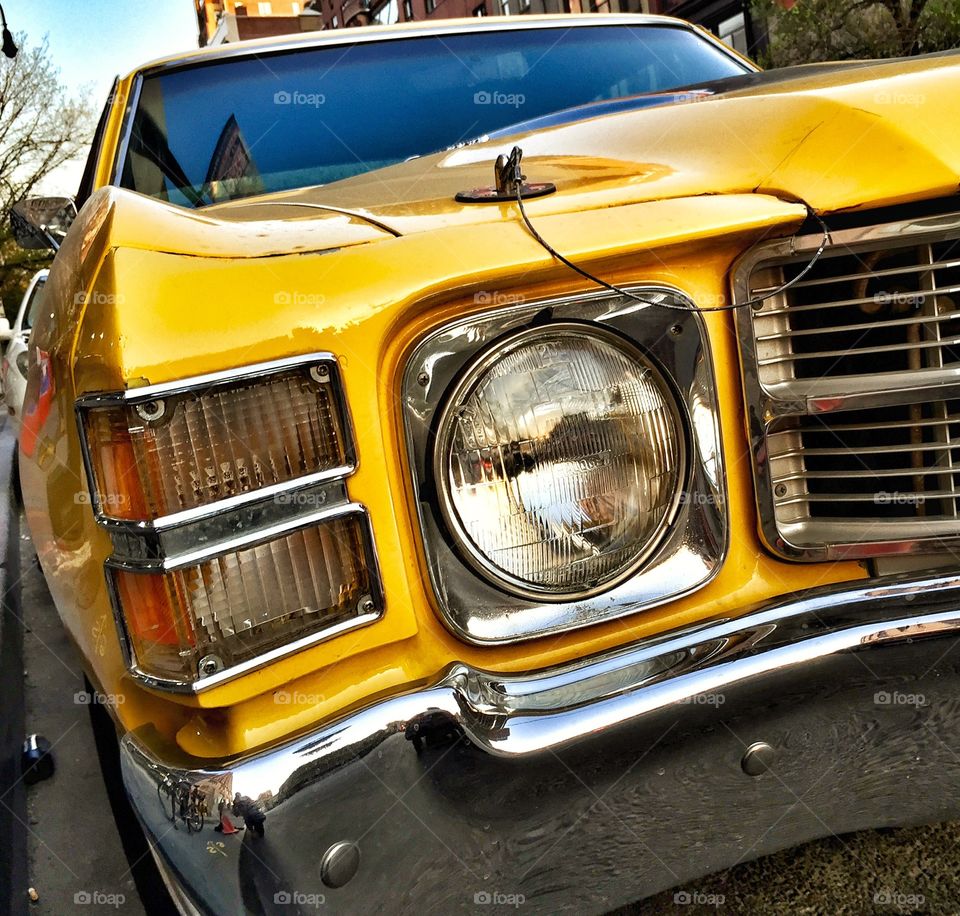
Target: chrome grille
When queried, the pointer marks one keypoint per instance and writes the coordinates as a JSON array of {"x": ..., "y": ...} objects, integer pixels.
[{"x": 853, "y": 385}]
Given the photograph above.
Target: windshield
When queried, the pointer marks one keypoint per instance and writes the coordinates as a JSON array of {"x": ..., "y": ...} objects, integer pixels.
[
  {"x": 251, "y": 125},
  {"x": 32, "y": 311}
]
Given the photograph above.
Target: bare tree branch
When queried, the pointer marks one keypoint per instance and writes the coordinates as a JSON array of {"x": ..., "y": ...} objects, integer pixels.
[{"x": 42, "y": 126}]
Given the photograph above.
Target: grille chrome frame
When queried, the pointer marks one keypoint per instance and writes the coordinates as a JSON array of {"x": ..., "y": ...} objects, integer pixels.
[{"x": 779, "y": 398}]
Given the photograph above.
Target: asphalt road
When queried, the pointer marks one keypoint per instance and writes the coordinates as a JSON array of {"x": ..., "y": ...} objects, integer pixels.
[
  {"x": 80, "y": 862},
  {"x": 76, "y": 859}
]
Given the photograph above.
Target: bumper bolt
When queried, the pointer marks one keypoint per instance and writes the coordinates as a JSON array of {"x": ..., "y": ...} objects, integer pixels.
[
  {"x": 339, "y": 864},
  {"x": 758, "y": 758}
]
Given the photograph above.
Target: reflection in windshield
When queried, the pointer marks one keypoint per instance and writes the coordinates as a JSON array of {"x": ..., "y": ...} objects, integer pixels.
[
  {"x": 248, "y": 125},
  {"x": 232, "y": 172}
]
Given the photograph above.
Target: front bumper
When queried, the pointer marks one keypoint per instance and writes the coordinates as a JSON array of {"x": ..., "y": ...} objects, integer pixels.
[{"x": 588, "y": 786}]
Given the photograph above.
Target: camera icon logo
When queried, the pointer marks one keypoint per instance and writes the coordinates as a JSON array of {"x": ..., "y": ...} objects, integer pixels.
[
  {"x": 482, "y": 98},
  {"x": 82, "y": 898},
  {"x": 282, "y": 97},
  {"x": 282, "y": 897}
]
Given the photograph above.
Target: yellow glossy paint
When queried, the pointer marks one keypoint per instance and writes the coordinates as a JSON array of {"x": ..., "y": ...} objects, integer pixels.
[{"x": 180, "y": 294}]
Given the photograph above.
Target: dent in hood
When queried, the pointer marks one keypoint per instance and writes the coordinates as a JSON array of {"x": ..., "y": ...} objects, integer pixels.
[{"x": 243, "y": 229}]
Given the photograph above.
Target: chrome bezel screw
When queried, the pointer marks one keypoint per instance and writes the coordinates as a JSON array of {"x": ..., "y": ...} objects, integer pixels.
[
  {"x": 151, "y": 411},
  {"x": 210, "y": 665}
]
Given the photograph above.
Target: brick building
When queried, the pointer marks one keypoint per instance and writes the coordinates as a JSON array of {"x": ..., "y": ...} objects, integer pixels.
[{"x": 222, "y": 21}]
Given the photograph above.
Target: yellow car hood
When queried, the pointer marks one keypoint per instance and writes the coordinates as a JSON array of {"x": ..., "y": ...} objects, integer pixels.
[{"x": 837, "y": 137}]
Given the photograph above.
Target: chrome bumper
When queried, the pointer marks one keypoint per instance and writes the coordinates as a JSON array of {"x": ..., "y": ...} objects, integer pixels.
[{"x": 590, "y": 785}]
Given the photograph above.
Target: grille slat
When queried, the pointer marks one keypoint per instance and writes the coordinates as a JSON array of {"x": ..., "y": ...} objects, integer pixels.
[
  {"x": 862, "y": 326},
  {"x": 905, "y": 495},
  {"x": 889, "y": 272},
  {"x": 872, "y": 474},
  {"x": 908, "y": 448},
  {"x": 902, "y": 296},
  {"x": 879, "y": 425},
  {"x": 853, "y": 377},
  {"x": 890, "y": 348}
]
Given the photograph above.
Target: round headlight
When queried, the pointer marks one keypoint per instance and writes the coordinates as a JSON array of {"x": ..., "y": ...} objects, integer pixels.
[{"x": 560, "y": 461}]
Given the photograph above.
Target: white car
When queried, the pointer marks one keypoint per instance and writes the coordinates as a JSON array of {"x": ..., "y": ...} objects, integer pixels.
[{"x": 15, "y": 357}]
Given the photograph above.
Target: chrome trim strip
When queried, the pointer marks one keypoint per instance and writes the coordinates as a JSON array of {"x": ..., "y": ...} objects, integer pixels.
[
  {"x": 126, "y": 129},
  {"x": 765, "y": 405},
  {"x": 477, "y": 733},
  {"x": 201, "y": 684},
  {"x": 229, "y": 541},
  {"x": 693, "y": 550},
  {"x": 223, "y": 506},
  {"x": 334, "y": 38},
  {"x": 203, "y": 382}
]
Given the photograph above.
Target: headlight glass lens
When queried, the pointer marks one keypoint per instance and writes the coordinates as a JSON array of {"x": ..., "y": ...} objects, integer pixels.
[{"x": 560, "y": 459}]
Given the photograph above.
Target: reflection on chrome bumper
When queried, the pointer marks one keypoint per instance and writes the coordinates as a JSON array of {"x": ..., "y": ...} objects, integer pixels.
[{"x": 586, "y": 786}]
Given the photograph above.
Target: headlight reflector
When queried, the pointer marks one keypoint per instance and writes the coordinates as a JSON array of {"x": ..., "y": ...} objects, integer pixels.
[{"x": 560, "y": 459}]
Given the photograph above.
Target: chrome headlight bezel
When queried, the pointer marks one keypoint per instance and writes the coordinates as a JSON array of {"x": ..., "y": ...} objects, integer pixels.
[
  {"x": 461, "y": 388},
  {"x": 686, "y": 557}
]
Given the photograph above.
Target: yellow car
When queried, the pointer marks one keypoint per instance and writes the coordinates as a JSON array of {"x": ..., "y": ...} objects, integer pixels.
[{"x": 506, "y": 461}]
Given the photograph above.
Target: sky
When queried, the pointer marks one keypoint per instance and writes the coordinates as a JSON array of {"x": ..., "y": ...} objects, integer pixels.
[{"x": 92, "y": 41}]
